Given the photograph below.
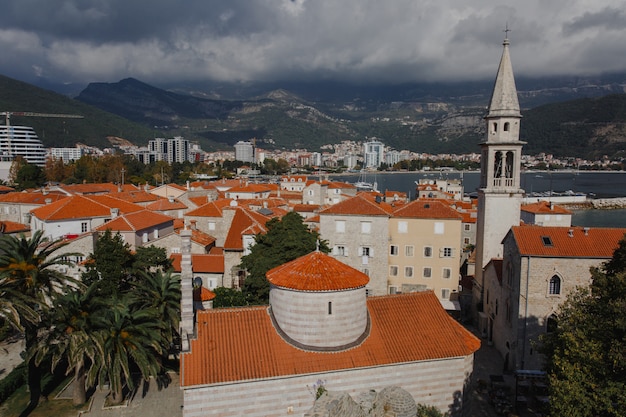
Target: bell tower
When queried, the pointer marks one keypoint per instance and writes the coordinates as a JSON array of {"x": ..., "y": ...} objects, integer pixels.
[{"x": 499, "y": 193}]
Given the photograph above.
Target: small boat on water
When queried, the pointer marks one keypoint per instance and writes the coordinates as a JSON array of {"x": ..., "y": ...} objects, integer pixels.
[{"x": 363, "y": 184}]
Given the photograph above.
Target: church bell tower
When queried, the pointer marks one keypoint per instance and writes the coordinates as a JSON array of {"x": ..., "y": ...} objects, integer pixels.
[{"x": 499, "y": 193}]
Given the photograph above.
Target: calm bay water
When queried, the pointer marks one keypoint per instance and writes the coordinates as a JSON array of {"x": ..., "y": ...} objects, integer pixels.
[{"x": 596, "y": 184}]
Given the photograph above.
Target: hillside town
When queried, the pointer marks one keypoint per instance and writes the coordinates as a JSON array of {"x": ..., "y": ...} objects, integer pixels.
[{"x": 392, "y": 303}]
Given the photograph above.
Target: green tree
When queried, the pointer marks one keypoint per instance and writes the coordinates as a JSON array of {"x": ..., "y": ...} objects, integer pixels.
[
  {"x": 27, "y": 267},
  {"x": 586, "y": 351},
  {"x": 71, "y": 335},
  {"x": 159, "y": 291},
  {"x": 30, "y": 176},
  {"x": 228, "y": 297},
  {"x": 286, "y": 239},
  {"x": 130, "y": 340},
  {"x": 150, "y": 258},
  {"x": 110, "y": 265}
]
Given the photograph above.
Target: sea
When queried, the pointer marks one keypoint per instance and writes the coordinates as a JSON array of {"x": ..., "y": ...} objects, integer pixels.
[{"x": 595, "y": 184}]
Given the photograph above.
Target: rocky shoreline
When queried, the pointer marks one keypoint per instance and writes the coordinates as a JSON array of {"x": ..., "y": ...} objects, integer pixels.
[{"x": 598, "y": 203}]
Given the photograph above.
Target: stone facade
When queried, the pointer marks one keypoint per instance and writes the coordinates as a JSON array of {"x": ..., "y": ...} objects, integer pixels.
[{"x": 441, "y": 383}]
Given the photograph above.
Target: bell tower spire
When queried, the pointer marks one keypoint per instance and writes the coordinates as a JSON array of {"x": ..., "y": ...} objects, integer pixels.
[{"x": 500, "y": 193}]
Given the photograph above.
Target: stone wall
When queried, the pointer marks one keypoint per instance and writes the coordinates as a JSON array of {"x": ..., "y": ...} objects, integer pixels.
[{"x": 441, "y": 383}]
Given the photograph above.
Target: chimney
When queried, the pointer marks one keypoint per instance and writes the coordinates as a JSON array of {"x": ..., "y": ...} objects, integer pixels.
[
  {"x": 570, "y": 232},
  {"x": 586, "y": 231},
  {"x": 551, "y": 206},
  {"x": 186, "y": 289},
  {"x": 114, "y": 212},
  {"x": 170, "y": 199},
  {"x": 48, "y": 200}
]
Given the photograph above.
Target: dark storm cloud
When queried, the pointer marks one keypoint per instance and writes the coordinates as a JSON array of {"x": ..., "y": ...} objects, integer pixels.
[{"x": 359, "y": 40}]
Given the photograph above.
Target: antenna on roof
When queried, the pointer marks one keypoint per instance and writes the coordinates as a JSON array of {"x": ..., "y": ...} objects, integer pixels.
[{"x": 317, "y": 245}]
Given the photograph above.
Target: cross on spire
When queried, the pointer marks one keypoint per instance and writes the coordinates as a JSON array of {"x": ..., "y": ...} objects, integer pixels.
[{"x": 506, "y": 30}]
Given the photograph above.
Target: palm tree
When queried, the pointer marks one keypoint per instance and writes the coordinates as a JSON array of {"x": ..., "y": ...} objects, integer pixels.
[
  {"x": 128, "y": 340},
  {"x": 28, "y": 274},
  {"x": 71, "y": 335},
  {"x": 161, "y": 292}
]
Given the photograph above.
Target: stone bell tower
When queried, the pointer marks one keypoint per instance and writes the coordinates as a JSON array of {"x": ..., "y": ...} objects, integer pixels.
[{"x": 499, "y": 193}]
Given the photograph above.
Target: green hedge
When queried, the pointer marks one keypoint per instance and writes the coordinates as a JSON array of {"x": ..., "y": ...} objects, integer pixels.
[{"x": 15, "y": 379}]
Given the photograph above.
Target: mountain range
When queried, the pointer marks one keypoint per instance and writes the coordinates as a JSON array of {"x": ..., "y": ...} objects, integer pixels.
[{"x": 422, "y": 118}]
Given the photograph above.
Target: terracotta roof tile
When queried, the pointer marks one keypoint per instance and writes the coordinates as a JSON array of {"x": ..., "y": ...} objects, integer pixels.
[
  {"x": 201, "y": 263},
  {"x": 361, "y": 204},
  {"x": 567, "y": 242},
  {"x": 404, "y": 328},
  {"x": 244, "y": 222},
  {"x": 203, "y": 294},
  {"x": 306, "y": 208},
  {"x": 139, "y": 220},
  {"x": 544, "y": 207},
  {"x": 210, "y": 209},
  {"x": 83, "y": 207},
  {"x": 164, "y": 204},
  {"x": 316, "y": 272},
  {"x": 429, "y": 209},
  {"x": 136, "y": 196},
  {"x": 95, "y": 188},
  {"x": 31, "y": 198},
  {"x": 8, "y": 227}
]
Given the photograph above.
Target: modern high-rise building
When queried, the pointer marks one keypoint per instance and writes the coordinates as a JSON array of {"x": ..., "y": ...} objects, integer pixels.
[
  {"x": 169, "y": 150},
  {"x": 373, "y": 154},
  {"x": 21, "y": 141},
  {"x": 244, "y": 151}
]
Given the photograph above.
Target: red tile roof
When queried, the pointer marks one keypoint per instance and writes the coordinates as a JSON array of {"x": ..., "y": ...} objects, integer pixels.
[
  {"x": 242, "y": 344},
  {"x": 203, "y": 294},
  {"x": 139, "y": 220},
  {"x": 427, "y": 209},
  {"x": 201, "y": 263},
  {"x": 362, "y": 204},
  {"x": 211, "y": 209},
  {"x": 83, "y": 207},
  {"x": 136, "y": 196},
  {"x": 164, "y": 204},
  {"x": 9, "y": 227},
  {"x": 245, "y": 222},
  {"x": 306, "y": 208},
  {"x": 544, "y": 207},
  {"x": 316, "y": 272},
  {"x": 567, "y": 242},
  {"x": 34, "y": 198}
]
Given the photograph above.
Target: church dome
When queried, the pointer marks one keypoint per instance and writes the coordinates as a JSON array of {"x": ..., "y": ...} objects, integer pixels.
[
  {"x": 319, "y": 303},
  {"x": 316, "y": 272}
]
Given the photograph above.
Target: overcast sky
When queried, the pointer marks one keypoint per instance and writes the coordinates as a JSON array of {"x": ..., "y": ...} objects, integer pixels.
[{"x": 162, "y": 41}]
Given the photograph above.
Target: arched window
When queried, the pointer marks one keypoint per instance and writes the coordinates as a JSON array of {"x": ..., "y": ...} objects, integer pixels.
[
  {"x": 495, "y": 127},
  {"x": 555, "y": 286},
  {"x": 551, "y": 323},
  {"x": 506, "y": 127}
]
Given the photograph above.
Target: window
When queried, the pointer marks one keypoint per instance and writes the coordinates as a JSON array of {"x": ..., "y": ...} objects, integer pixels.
[
  {"x": 427, "y": 273},
  {"x": 408, "y": 271},
  {"x": 393, "y": 250},
  {"x": 466, "y": 241},
  {"x": 330, "y": 307},
  {"x": 554, "y": 286},
  {"x": 366, "y": 227},
  {"x": 428, "y": 251},
  {"x": 439, "y": 228},
  {"x": 445, "y": 293},
  {"x": 408, "y": 250},
  {"x": 211, "y": 225},
  {"x": 83, "y": 227},
  {"x": 551, "y": 323},
  {"x": 546, "y": 240},
  {"x": 506, "y": 126},
  {"x": 393, "y": 270},
  {"x": 156, "y": 233},
  {"x": 447, "y": 272},
  {"x": 403, "y": 227},
  {"x": 366, "y": 251},
  {"x": 144, "y": 238},
  {"x": 310, "y": 192},
  {"x": 467, "y": 227},
  {"x": 340, "y": 226},
  {"x": 447, "y": 252},
  {"x": 366, "y": 271},
  {"x": 340, "y": 250}
]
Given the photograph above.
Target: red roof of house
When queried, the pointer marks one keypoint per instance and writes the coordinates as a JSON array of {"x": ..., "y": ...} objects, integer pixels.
[
  {"x": 567, "y": 242},
  {"x": 136, "y": 196},
  {"x": 201, "y": 263},
  {"x": 139, "y": 220},
  {"x": 96, "y": 188},
  {"x": 242, "y": 344},
  {"x": 83, "y": 207},
  {"x": 203, "y": 294},
  {"x": 306, "y": 208},
  {"x": 544, "y": 207},
  {"x": 361, "y": 204},
  {"x": 34, "y": 198},
  {"x": 8, "y": 227},
  {"x": 316, "y": 272},
  {"x": 245, "y": 222},
  {"x": 210, "y": 209},
  {"x": 250, "y": 188},
  {"x": 164, "y": 204},
  {"x": 427, "y": 209}
]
